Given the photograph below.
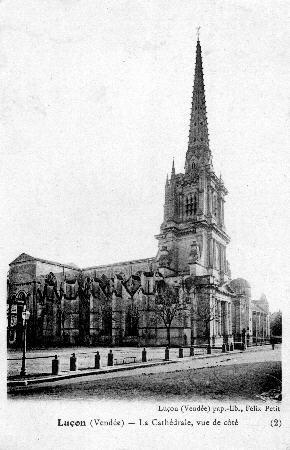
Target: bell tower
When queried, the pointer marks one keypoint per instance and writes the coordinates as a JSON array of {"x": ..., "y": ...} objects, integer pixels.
[{"x": 193, "y": 231}]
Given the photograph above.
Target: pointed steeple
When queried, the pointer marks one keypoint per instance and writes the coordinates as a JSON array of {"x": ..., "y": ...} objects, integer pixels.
[{"x": 198, "y": 132}]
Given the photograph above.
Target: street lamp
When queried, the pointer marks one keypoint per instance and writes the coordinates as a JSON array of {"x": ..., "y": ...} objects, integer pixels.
[{"x": 25, "y": 317}]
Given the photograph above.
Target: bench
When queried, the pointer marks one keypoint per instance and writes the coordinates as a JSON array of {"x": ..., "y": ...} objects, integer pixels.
[
  {"x": 126, "y": 360},
  {"x": 129, "y": 359}
]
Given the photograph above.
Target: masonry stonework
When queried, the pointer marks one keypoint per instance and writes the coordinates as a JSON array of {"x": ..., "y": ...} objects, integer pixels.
[{"x": 184, "y": 295}]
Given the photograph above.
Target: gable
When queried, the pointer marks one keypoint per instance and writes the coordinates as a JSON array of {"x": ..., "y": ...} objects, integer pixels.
[{"x": 22, "y": 258}]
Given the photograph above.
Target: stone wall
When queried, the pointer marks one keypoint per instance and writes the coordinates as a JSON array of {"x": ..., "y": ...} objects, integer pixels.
[{"x": 115, "y": 305}]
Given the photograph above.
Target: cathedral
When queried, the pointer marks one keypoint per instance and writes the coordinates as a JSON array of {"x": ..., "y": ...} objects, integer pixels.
[{"x": 182, "y": 296}]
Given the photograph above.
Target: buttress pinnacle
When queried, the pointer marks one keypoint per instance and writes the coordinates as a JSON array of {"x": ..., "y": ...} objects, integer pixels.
[{"x": 173, "y": 168}]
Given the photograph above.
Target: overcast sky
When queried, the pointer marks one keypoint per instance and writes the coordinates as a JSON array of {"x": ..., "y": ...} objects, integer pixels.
[{"x": 95, "y": 102}]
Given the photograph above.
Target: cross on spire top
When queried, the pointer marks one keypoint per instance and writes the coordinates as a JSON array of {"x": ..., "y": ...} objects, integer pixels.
[{"x": 197, "y": 32}]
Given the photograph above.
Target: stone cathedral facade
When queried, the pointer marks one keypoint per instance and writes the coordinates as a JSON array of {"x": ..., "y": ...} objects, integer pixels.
[{"x": 184, "y": 293}]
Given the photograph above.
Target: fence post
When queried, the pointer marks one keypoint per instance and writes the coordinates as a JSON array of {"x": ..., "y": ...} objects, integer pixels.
[
  {"x": 144, "y": 355},
  {"x": 97, "y": 360},
  {"x": 167, "y": 354},
  {"x": 73, "y": 362},
  {"x": 180, "y": 355},
  {"x": 110, "y": 358},
  {"x": 55, "y": 366},
  {"x": 191, "y": 351}
]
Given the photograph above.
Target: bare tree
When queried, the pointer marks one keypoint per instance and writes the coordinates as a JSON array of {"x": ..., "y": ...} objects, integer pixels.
[
  {"x": 167, "y": 305},
  {"x": 205, "y": 312},
  {"x": 276, "y": 323}
]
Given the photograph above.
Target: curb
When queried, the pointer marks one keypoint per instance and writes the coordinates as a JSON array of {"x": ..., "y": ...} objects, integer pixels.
[
  {"x": 78, "y": 374},
  {"x": 82, "y": 373}
]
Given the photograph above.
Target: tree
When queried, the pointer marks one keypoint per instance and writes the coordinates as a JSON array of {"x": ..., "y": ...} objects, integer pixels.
[
  {"x": 167, "y": 305},
  {"x": 276, "y": 323},
  {"x": 205, "y": 312}
]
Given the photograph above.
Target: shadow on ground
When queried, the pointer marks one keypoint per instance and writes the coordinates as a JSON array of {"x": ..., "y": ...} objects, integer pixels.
[{"x": 240, "y": 381}]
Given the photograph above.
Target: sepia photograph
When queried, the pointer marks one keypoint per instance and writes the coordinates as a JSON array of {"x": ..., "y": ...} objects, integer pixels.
[{"x": 145, "y": 179}]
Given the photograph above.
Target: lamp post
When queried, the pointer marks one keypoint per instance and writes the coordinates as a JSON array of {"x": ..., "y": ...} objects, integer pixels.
[{"x": 25, "y": 317}]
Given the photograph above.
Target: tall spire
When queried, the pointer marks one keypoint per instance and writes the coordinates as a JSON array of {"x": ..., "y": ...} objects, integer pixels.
[{"x": 198, "y": 132}]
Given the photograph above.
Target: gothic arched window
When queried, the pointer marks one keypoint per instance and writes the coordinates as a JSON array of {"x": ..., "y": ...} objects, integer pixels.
[
  {"x": 132, "y": 321},
  {"x": 195, "y": 204},
  {"x": 186, "y": 206},
  {"x": 190, "y": 205},
  {"x": 21, "y": 297},
  {"x": 214, "y": 206},
  {"x": 107, "y": 320}
]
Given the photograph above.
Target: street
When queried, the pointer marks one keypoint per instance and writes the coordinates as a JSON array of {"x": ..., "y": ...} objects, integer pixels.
[{"x": 239, "y": 375}]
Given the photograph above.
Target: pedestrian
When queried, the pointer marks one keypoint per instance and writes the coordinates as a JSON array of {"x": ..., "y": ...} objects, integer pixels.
[{"x": 272, "y": 342}]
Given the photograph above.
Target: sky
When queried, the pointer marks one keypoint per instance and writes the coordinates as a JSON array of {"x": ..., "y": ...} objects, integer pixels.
[{"x": 95, "y": 102}]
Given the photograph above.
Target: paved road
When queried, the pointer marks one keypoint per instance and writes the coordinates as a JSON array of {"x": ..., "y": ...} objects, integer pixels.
[{"x": 70, "y": 387}]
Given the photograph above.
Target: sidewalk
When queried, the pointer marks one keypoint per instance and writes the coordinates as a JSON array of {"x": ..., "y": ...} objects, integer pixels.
[{"x": 110, "y": 369}]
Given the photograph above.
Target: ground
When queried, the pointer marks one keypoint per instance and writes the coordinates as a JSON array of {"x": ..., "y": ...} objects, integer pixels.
[
  {"x": 39, "y": 361},
  {"x": 226, "y": 376}
]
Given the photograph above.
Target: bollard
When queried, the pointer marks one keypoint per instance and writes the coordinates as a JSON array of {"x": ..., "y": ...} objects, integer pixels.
[
  {"x": 110, "y": 358},
  {"x": 167, "y": 354},
  {"x": 180, "y": 354},
  {"x": 223, "y": 348},
  {"x": 208, "y": 350},
  {"x": 73, "y": 362},
  {"x": 144, "y": 355},
  {"x": 97, "y": 360},
  {"x": 191, "y": 351},
  {"x": 55, "y": 366},
  {"x": 231, "y": 347}
]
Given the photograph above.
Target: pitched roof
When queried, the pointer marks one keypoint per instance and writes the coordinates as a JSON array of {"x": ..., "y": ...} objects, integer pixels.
[{"x": 24, "y": 257}]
